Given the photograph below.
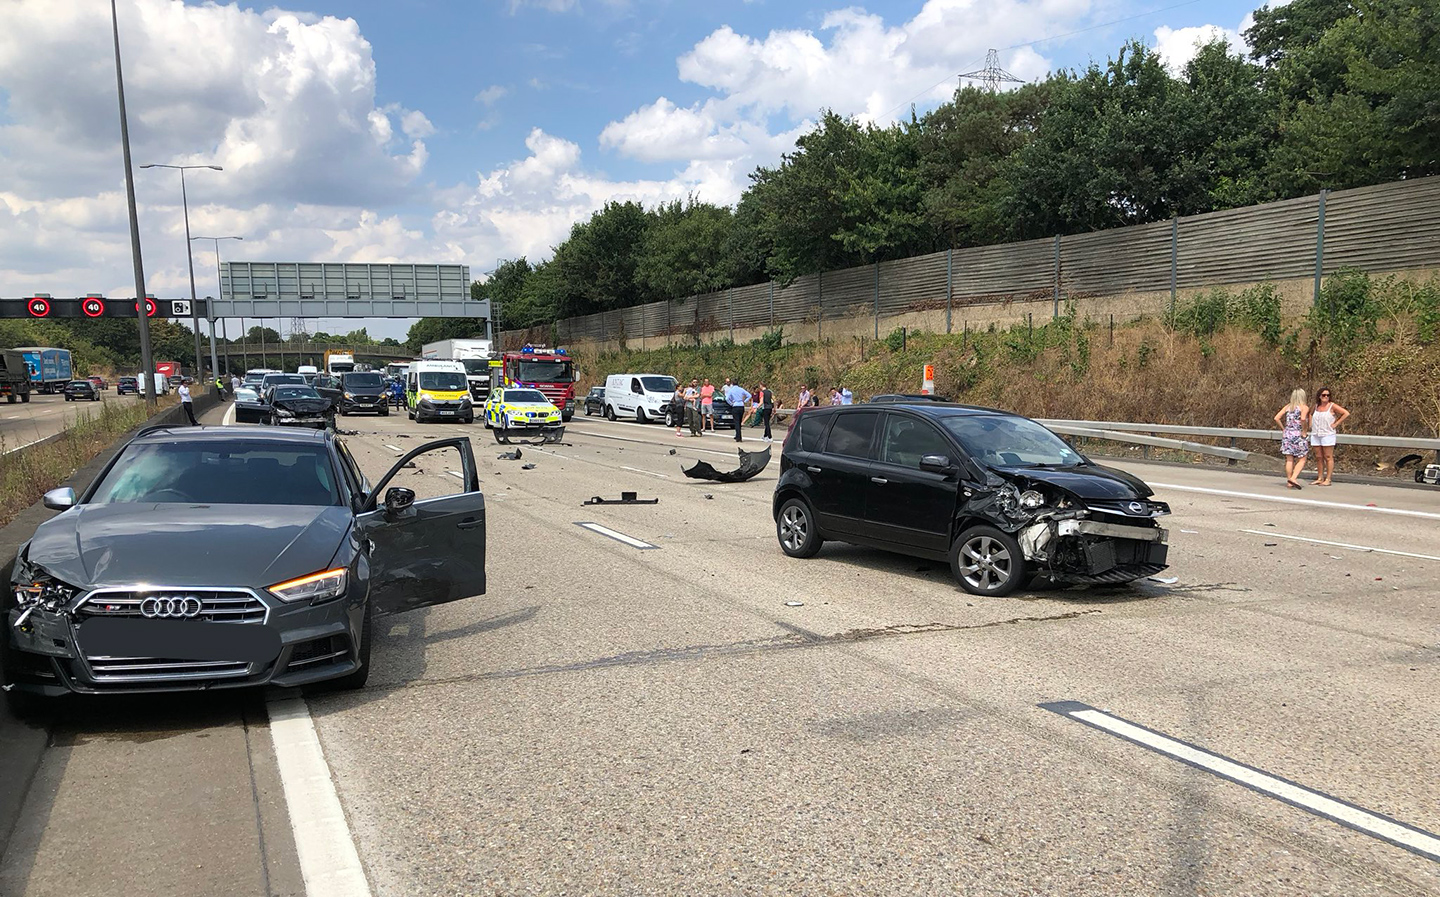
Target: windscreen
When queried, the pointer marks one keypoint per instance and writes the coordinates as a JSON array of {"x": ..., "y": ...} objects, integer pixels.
[
  {"x": 1011, "y": 442},
  {"x": 295, "y": 392},
  {"x": 443, "y": 381},
  {"x": 276, "y": 379},
  {"x": 546, "y": 371},
  {"x": 230, "y": 473},
  {"x": 476, "y": 366},
  {"x": 658, "y": 384},
  {"x": 363, "y": 380},
  {"x": 522, "y": 396}
]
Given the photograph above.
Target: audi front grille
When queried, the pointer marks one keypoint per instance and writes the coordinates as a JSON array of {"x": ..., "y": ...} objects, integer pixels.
[{"x": 208, "y": 605}]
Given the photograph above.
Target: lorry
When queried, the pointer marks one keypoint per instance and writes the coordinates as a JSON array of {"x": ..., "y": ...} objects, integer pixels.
[
  {"x": 475, "y": 354},
  {"x": 309, "y": 372},
  {"x": 14, "y": 376},
  {"x": 337, "y": 363},
  {"x": 552, "y": 371},
  {"x": 49, "y": 368}
]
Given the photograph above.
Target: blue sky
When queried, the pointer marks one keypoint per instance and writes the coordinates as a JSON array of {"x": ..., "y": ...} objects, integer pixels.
[{"x": 430, "y": 131}]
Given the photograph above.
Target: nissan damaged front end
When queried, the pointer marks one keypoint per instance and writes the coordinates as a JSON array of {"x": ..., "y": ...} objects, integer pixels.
[{"x": 1079, "y": 537}]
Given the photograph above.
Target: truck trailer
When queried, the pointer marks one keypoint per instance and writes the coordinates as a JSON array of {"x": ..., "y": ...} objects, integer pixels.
[
  {"x": 14, "y": 376},
  {"x": 50, "y": 369},
  {"x": 475, "y": 354}
]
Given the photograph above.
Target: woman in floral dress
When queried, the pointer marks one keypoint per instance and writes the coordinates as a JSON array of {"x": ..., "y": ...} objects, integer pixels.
[{"x": 1293, "y": 419}]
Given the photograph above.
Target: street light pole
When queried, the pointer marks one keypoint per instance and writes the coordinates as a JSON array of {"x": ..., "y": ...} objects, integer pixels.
[
  {"x": 219, "y": 288},
  {"x": 147, "y": 362},
  {"x": 189, "y": 256}
]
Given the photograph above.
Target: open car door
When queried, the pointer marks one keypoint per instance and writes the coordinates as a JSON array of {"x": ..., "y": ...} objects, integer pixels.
[{"x": 424, "y": 551}]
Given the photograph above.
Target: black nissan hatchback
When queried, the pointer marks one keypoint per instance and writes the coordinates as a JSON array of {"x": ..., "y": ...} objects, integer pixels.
[{"x": 999, "y": 496}]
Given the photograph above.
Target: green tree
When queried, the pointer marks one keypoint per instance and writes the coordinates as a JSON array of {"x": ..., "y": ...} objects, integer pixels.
[
  {"x": 596, "y": 265},
  {"x": 504, "y": 288},
  {"x": 685, "y": 250},
  {"x": 429, "y": 330}
]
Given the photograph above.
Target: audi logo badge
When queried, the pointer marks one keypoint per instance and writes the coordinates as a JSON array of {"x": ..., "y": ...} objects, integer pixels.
[
  {"x": 1137, "y": 507},
  {"x": 171, "y": 607}
]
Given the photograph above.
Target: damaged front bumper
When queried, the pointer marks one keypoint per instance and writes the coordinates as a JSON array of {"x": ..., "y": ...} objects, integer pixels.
[{"x": 1075, "y": 550}]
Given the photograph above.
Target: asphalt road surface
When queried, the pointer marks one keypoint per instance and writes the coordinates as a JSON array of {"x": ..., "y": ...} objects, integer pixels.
[
  {"x": 703, "y": 715},
  {"x": 25, "y": 422}
]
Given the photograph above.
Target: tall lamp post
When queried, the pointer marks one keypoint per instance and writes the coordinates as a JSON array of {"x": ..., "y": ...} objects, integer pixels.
[
  {"x": 147, "y": 362},
  {"x": 219, "y": 289},
  {"x": 184, "y": 204}
]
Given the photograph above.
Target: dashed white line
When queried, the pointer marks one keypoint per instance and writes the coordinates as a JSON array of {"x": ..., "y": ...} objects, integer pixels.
[
  {"x": 1415, "y": 840},
  {"x": 655, "y": 444},
  {"x": 456, "y": 474},
  {"x": 329, "y": 862},
  {"x": 1365, "y": 548},
  {"x": 617, "y": 536},
  {"x": 394, "y": 448},
  {"x": 1339, "y": 506},
  {"x": 648, "y": 473}
]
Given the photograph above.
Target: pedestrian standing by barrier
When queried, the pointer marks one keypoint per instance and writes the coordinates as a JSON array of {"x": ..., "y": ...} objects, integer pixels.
[
  {"x": 234, "y": 384},
  {"x": 1293, "y": 419},
  {"x": 707, "y": 406},
  {"x": 220, "y": 386},
  {"x": 677, "y": 407},
  {"x": 803, "y": 399},
  {"x": 187, "y": 403},
  {"x": 765, "y": 401},
  {"x": 736, "y": 397},
  {"x": 834, "y": 395},
  {"x": 1325, "y": 421},
  {"x": 846, "y": 396}
]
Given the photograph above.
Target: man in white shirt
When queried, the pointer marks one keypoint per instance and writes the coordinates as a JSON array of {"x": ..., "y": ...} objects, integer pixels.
[
  {"x": 187, "y": 403},
  {"x": 234, "y": 384}
]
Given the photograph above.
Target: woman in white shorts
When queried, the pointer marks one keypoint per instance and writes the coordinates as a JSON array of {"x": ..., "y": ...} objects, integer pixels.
[{"x": 1325, "y": 420}]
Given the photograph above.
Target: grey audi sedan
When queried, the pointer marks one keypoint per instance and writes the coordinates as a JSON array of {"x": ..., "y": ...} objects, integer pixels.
[{"x": 218, "y": 557}]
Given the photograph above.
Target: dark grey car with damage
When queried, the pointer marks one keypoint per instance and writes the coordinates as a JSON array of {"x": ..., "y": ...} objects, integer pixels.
[
  {"x": 1000, "y": 497},
  {"x": 217, "y": 557}
]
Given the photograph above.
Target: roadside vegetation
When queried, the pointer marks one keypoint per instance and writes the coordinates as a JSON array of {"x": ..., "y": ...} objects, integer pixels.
[
  {"x": 27, "y": 474},
  {"x": 1331, "y": 94},
  {"x": 1223, "y": 359}
]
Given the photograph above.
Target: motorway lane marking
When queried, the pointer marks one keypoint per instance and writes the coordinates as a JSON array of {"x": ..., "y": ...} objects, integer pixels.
[
  {"x": 648, "y": 473},
  {"x": 617, "y": 536},
  {"x": 456, "y": 474},
  {"x": 394, "y": 448},
  {"x": 329, "y": 861},
  {"x": 1376, "y": 825},
  {"x": 655, "y": 444},
  {"x": 229, "y": 417},
  {"x": 25, "y": 444},
  {"x": 1403, "y": 554},
  {"x": 1339, "y": 506}
]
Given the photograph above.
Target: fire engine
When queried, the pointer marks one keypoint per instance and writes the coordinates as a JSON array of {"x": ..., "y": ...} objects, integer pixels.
[{"x": 552, "y": 371}]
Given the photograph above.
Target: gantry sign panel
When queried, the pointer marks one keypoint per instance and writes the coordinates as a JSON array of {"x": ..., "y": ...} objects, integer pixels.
[
  {"x": 335, "y": 290},
  {"x": 43, "y": 306}
]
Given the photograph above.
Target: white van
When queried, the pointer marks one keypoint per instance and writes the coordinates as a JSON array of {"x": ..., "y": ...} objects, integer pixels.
[
  {"x": 645, "y": 397},
  {"x": 438, "y": 390}
]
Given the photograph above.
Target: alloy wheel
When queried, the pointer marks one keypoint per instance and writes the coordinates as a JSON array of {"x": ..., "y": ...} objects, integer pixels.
[
  {"x": 794, "y": 527},
  {"x": 987, "y": 564}
]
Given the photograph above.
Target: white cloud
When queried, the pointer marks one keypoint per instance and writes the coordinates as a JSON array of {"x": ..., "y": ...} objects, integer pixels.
[
  {"x": 492, "y": 94},
  {"x": 1177, "y": 46},
  {"x": 284, "y": 101}
]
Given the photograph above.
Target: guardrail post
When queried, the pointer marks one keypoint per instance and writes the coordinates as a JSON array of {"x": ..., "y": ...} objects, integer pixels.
[
  {"x": 1055, "y": 303},
  {"x": 772, "y": 305},
  {"x": 949, "y": 284},
  {"x": 730, "y": 310},
  {"x": 1319, "y": 242},
  {"x": 819, "y": 303},
  {"x": 1231, "y": 462}
]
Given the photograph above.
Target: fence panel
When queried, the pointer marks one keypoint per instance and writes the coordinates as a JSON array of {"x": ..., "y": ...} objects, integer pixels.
[
  {"x": 1275, "y": 241},
  {"x": 913, "y": 284},
  {"x": 1383, "y": 228},
  {"x": 850, "y": 291},
  {"x": 751, "y": 305},
  {"x": 798, "y": 302},
  {"x": 1008, "y": 271},
  {"x": 1115, "y": 262}
]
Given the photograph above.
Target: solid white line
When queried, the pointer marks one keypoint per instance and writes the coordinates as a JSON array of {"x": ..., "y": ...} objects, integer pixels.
[
  {"x": 618, "y": 537},
  {"x": 646, "y": 472},
  {"x": 1367, "y": 548},
  {"x": 229, "y": 417},
  {"x": 655, "y": 444},
  {"x": 1362, "y": 820},
  {"x": 329, "y": 861},
  {"x": 26, "y": 444},
  {"x": 1339, "y": 506},
  {"x": 456, "y": 474},
  {"x": 394, "y": 448}
]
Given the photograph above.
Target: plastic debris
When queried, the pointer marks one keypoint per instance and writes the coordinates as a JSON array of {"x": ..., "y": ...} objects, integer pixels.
[
  {"x": 672, "y": 451},
  {"x": 751, "y": 463},
  {"x": 626, "y": 498},
  {"x": 527, "y": 466},
  {"x": 708, "y": 496},
  {"x": 1164, "y": 580},
  {"x": 1271, "y": 544},
  {"x": 516, "y": 455},
  {"x": 794, "y": 604}
]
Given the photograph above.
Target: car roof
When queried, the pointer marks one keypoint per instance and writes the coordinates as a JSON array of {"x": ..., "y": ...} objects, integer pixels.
[
  {"x": 924, "y": 408},
  {"x": 231, "y": 434}
]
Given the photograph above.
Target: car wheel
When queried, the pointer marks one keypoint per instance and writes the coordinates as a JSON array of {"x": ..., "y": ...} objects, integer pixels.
[
  {"x": 588, "y": 412},
  {"x": 669, "y": 418},
  {"x": 385, "y": 412},
  {"x": 610, "y": 412},
  {"x": 567, "y": 416},
  {"x": 470, "y": 418},
  {"x": 640, "y": 417},
  {"x": 274, "y": 419},
  {"x": 988, "y": 562},
  {"x": 796, "y": 529},
  {"x": 25, "y": 399},
  {"x": 11, "y": 399}
]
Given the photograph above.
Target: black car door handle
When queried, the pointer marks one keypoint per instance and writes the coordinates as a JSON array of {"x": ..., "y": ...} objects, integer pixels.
[
  {"x": 469, "y": 523},
  {"x": 879, "y": 480},
  {"x": 813, "y": 469}
]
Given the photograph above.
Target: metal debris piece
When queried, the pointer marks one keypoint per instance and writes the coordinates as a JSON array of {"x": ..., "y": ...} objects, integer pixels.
[
  {"x": 708, "y": 496},
  {"x": 626, "y": 498},
  {"x": 516, "y": 455},
  {"x": 527, "y": 466},
  {"x": 554, "y": 435},
  {"x": 794, "y": 604},
  {"x": 672, "y": 451},
  {"x": 1271, "y": 544},
  {"x": 751, "y": 463}
]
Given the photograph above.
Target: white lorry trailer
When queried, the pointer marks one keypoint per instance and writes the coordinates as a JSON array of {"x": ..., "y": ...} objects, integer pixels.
[{"x": 475, "y": 354}]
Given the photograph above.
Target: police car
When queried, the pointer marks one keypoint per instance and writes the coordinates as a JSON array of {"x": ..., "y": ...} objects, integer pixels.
[{"x": 514, "y": 408}]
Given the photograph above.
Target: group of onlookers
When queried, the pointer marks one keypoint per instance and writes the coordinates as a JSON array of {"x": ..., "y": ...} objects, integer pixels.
[
  {"x": 1304, "y": 428},
  {"x": 693, "y": 406}
]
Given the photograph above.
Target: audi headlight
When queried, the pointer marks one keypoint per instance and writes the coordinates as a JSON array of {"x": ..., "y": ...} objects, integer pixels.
[
  {"x": 315, "y": 587},
  {"x": 1031, "y": 499}
]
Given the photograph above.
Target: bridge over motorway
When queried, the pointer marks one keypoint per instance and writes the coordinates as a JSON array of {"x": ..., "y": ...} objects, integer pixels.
[{"x": 244, "y": 356}]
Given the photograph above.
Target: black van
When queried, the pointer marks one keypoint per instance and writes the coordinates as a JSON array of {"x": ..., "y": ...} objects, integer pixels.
[{"x": 999, "y": 496}]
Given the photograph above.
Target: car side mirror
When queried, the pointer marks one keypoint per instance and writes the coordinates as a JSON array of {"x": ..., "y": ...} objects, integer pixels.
[
  {"x": 936, "y": 464},
  {"x": 397, "y": 499},
  {"x": 61, "y": 499}
]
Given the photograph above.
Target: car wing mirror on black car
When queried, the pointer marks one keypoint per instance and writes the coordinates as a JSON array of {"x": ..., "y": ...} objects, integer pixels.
[
  {"x": 937, "y": 464},
  {"x": 61, "y": 499},
  {"x": 397, "y": 499}
]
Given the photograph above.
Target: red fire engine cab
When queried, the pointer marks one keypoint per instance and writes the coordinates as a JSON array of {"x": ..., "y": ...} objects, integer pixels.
[{"x": 552, "y": 371}]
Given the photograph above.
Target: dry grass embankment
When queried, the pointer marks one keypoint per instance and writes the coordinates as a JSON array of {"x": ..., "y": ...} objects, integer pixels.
[
  {"x": 27, "y": 474},
  {"x": 1223, "y": 371}
]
